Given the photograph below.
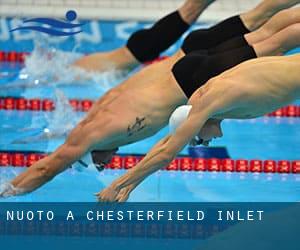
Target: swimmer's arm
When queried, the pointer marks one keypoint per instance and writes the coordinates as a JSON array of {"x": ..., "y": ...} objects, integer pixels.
[
  {"x": 47, "y": 168},
  {"x": 160, "y": 156}
]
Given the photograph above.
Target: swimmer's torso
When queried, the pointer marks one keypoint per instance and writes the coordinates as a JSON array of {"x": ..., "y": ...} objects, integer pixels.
[
  {"x": 154, "y": 90},
  {"x": 143, "y": 103}
]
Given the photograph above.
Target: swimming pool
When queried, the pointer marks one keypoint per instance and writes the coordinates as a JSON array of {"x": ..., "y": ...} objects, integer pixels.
[{"x": 266, "y": 138}]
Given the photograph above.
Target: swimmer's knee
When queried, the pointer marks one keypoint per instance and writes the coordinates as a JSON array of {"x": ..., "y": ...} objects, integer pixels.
[{"x": 147, "y": 44}]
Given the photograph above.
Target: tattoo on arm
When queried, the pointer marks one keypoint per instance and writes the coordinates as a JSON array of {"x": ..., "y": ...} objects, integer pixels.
[{"x": 137, "y": 126}]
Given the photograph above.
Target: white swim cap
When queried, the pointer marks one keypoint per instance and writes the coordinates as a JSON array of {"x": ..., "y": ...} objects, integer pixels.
[{"x": 178, "y": 117}]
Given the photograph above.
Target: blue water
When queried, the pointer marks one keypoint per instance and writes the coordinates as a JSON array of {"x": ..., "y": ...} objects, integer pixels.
[{"x": 264, "y": 138}]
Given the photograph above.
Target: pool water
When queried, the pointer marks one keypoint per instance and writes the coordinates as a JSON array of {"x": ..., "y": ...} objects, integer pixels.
[{"x": 263, "y": 138}]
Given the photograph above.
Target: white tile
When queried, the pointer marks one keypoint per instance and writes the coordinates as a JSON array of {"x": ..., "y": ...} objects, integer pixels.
[
  {"x": 72, "y": 3},
  {"x": 135, "y": 3},
  {"x": 151, "y": 4},
  {"x": 119, "y": 4},
  {"x": 56, "y": 2},
  {"x": 91, "y": 3},
  {"x": 104, "y": 3},
  {"x": 11, "y": 2},
  {"x": 24, "y": 2},
  {"x": 41, "y": 2},
  {"x": 167, "y": 4}
]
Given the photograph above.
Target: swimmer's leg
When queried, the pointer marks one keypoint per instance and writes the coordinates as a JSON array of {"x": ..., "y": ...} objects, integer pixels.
[
  {"x": 151, "y": 41},
  {"x": 229, "y": 34},
  {"x": 280, "y": 21},
  {"x": 256, "y": 17},
  {"x": 279, "y": 43}
]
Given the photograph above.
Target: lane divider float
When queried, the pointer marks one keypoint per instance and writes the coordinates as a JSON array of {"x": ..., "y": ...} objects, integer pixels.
[
  {"x": 84, "y": 105},
  {"x": 26, "y": 159},
  {"x": 13, "y": 56},
  {"x": 19, "y": 57}
]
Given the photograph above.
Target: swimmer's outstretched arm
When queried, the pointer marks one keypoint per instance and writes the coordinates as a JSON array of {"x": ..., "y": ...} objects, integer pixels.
[
  {"x": 164, "y": 152},
  {"x": 43, "y": 171},
  {"x": 81, "y": 139},
  {"x": 159, "y": 157}
]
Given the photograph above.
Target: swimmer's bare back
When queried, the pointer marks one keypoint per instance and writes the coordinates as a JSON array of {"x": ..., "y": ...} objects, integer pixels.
[
  {"x": 255, "y": 87},
  {"x": 138, "y": 107}
]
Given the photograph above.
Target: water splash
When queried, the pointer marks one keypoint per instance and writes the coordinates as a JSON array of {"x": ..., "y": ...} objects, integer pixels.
[
  {"x": 8, "y": 190},
  {"x": 59, "y": 122},
  {"x": 48, "y": 66},
  {"x": 63, "y": 119}
]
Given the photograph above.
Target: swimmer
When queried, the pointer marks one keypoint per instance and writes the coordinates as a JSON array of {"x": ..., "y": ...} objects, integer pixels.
[
  {"x": 147, "y": 44},
  {"x": 276, "y": 83},
  {"x": 138, "y": 108}
]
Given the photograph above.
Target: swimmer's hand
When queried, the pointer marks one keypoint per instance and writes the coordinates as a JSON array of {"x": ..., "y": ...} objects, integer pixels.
[
  {"x": 124, "y": 194},
  {"x": 109, "y": 194},
  {"x": 7, "y": 190}
]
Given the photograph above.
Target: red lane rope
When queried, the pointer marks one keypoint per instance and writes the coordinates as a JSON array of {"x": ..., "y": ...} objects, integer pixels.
[
  {"x": 13, "y": 56},
  {"x": 36, "y": 104},
  {"x": 19, "y": 57},
  {"x": 21, "y": 159},
  {"x": 12, "y": 103}
]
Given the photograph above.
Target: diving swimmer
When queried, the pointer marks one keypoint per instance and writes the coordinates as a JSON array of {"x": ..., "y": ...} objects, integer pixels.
[
  {"x": 276, "y": 83},
  {"x": 136, "y": 109}
]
